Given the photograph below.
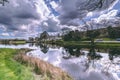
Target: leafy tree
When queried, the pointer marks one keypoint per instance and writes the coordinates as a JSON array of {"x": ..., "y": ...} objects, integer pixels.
[
  {"x": 72, "y": 36},
  {"x": 31, "y": 39},
  {"x": 113, "y": 32},
  {"x": 92, "y": 34},
  {"x": 44, "y": 35}
]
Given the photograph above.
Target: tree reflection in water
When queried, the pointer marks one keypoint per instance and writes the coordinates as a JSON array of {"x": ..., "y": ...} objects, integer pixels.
[
  {"x": 114, "y": 52},
  {"x": 105, "y": 61},
  {"x": 93, "y": 54},
  {"x": 31, "y": 44},
  {"x": 44, "y": 48},
  {"x": 68, "y": 52},
  {"x": 94, "y": 58}
]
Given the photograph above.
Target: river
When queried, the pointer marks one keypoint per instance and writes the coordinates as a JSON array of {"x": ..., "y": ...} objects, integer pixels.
[{"x": 80, "y": 63}]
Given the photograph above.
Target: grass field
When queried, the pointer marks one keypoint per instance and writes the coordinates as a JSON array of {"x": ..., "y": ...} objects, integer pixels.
[
  {"x": 10, "y": 69},
  {"x": 18, "y": 42},
  {"x": 84, "y": 44}
]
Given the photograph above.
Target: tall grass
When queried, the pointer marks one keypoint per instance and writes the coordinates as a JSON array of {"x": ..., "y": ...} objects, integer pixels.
[
  {"x": 11, "y": 69},
  {"x": 40, "y": 67}
]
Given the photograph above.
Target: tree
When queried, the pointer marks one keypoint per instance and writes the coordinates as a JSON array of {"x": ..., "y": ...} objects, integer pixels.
[
  {"x": 113, "y": 32},
  {"x": 44, "y": 36},
  {"x": 87, "y": 6},
  {"x": 3, "y": 2},
  {"x": 31, "y": 39},
  {"x": 92, "y": 34},
  {"x": 72, "y": 36}
]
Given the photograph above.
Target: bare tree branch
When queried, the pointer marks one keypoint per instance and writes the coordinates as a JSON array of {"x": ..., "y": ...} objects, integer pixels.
[{"x": 3, "y": 2}]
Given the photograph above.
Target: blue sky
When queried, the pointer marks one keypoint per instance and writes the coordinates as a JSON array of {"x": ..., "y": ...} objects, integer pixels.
[{"x": 26, "y": 18}]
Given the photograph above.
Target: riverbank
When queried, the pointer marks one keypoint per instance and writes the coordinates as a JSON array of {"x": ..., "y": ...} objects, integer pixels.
[
  {"x": 84, "y": 43},
  {"x": 40, "y": 67},
  {"x": 10, "y": 69},
  {"x": 15, "y": 65},
  {"x": 13, "y": 42}
]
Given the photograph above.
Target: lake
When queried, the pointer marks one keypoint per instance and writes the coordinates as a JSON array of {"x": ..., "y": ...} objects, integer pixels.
[{"x": 80, "y": 63}]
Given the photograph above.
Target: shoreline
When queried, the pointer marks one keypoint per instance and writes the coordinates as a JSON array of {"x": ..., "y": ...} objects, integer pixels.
[
  {"x": 15, "y": 65},
  {"x": 42, "y": 68}
]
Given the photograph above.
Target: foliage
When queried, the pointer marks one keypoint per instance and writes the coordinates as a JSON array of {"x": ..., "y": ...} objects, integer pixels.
[
  {"x": 44, "y": 35},
  {"x": 92, "y": 33},
  {"x": 31, "y": 39},
  {"x": 72, "y": 36},
  {"x": 10, "y": 69},
  {"x": 113, "y": 33}
]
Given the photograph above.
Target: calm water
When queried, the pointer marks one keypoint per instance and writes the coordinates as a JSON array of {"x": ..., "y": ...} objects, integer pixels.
[{"x": 80, "y": 63}]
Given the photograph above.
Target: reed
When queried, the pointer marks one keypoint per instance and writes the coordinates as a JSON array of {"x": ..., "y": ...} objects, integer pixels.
[{"x": 43, "y": 68}]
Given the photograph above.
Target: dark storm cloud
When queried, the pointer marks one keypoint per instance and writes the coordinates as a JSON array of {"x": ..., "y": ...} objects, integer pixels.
[
  {"x": 72, "y": 9},
  {"x": 26, "y": 11},
  {"x": 68, "y": 17},
  {"x": 26, "y": 16},
  {"x": 5, "y": 20},
  {"x": 16, "y": 13}
]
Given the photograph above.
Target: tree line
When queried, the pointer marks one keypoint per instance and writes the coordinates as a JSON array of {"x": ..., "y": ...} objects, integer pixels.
[{"x": 109, "y": 32}]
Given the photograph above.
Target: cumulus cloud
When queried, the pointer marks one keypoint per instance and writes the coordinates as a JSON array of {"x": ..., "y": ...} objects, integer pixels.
[
  {"x": 4, "y": 34},
  {"x": 54, "y": 5},
  {"x": 24, "y": 18},
  {"x": 50, "y": 25},
  {"x": 107, "y": 16},
  {"x": 107, "y": 19},
  {"x": 72, "y": 9},
  {"x": 12, "y": 16}
]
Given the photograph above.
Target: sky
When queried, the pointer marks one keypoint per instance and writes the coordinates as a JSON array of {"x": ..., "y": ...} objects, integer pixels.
[{"x": 28, "y": 18}]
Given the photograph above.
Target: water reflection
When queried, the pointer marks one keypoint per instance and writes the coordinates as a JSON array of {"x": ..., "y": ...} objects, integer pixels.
[
  {"x": 68, "y": 52},
  {"x": 81, "y": 63},
  {"x": 93, "y": 54},
  {"x": 44, "y": 48},
  {"x": 113, "y": 53}
]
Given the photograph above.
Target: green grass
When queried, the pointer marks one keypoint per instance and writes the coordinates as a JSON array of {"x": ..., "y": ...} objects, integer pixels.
[
  {"x": 18, "y": 42},
  {"x": 107, "y": 39},
  {"x": 11, "y": 69},
  {"x": 85, "y": 44}
]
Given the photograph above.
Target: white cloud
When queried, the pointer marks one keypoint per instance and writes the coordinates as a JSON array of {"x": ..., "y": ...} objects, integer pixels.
[
  {"x": 42, "y": 9},
  {"x": 107, "y": 16},
  {"x": 54, "y": 5},
  {"x": 29, "y": 17},
  {"x": 3, "y": 28},
  {"x": 4, "y": 34},
  {"x": 72, "y": 9}
]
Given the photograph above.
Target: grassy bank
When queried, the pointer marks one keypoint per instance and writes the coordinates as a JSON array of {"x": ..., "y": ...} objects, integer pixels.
[
  {"x": 40, "y": 67},
  {"x": 18, "y": 42},
  {"x": 15, "y": 65},
  {"x": 11, "y": 69},
  {"x": 84, "y": 44},
  {"x": 13, "y": 42}
]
